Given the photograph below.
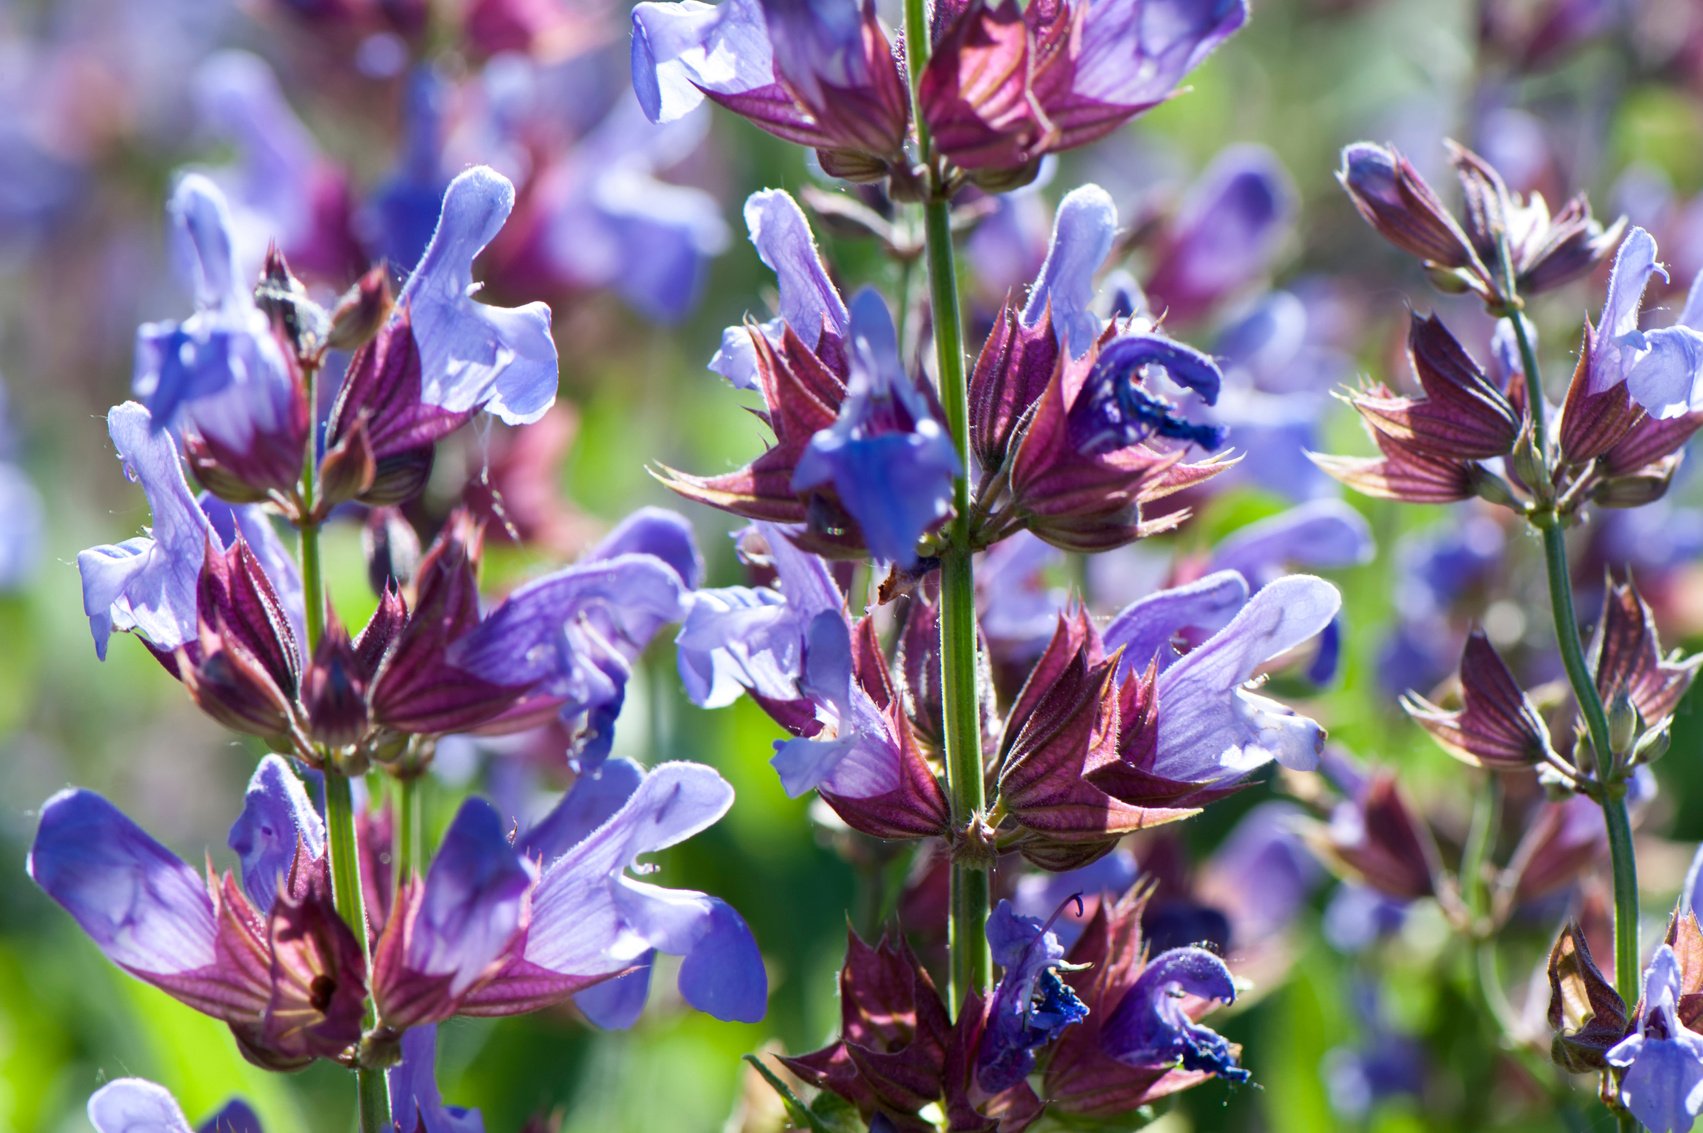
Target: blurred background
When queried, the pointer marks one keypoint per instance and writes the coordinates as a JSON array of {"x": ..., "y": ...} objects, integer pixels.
[{"x": 334, "y": 125}]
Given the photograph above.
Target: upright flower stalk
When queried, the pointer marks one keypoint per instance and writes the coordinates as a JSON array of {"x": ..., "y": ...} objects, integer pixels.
[
  {"x": 371, "y": 1084},
  {"x": 1611, "y": 793},
  {"x": 972, "y": 962}
]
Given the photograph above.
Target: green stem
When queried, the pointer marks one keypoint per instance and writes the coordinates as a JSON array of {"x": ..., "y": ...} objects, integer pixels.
[
  {"x": 972, "y": 966},
  {"x": 1610, "y": 794},
  {"x": 372, "y": 1090},
  {"x": 1486, "y": 816}
]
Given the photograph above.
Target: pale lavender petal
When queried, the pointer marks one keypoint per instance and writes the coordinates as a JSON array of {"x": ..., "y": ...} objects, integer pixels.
[
  {"x": 1082, "y": 237},
  {"x": 616, "y": 1004},
  {"x": 201, "y": 244},
  {"x": 1144, "y": 629},
  {"x": 1619, "y": 342},
  {"x": 141, "y": 905},
  {"x": 414, "y": 1098},
  {"x": 1664, "y": 380},
  {"x": 1209, "y": 726},
  {"x": 277, "y": 818},
  {"x": 473, "y": 356},
  {"x": 681, "y": 50},
  {"x": 132, "y": 1105},
  {"x": 737, "y": 639},
  {"x": 148, "y": 584},
  {"x": 809, "y": 301},
  {"x": 1663, "y": 1081},
  {"x": 576, "y": 927},
  {"x": 722, "y": 971},
  {"x": 474, "y": 893},
  {"x": 589, "y": 803},
  {"x": 655, "y": 531}
]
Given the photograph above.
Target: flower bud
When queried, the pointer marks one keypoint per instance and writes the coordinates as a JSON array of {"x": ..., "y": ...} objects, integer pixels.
[
  {"x": 1623, "y": 724},
  {"x": 1645, "y": 486},
  {"x": 361, "y": 312},
  {"x": 334, "y": 691},
  {"x": 281, "y": 297},
  {"x": 1398, "y": 203},
  {"x": 392, "y": 549}
]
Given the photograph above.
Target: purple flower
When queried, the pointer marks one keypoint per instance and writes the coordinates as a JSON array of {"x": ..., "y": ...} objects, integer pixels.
[
  {"x": 1210, "y": 726},
  {"x": 1006, "y": 85},
  {"x": 792, "y": 650},
  {"x": 221, "y": 374},
  {"x": 572, "y": 637},
  {"x": 1145, "y": 628},
  {"x": 270, "y": 958},
  {"x": 590, "y": 921},
  {"x": 459, "y": 924},
  {"x": 1149, "y": 1026},
  {"x": 1661, "y": 368},
  {"x": 415, "y": 1105},
  {"x": 148, "y": 584},
  {"x": 397, "y": 222},
  {"x": 281, "y": 189},
  {"x": 132, "y": 1105},
  {"x": 1662, "y": 1060},
  {"x": 1082, "y": 238},
  {"x": 809, "y": 302},
  {"x": 1030, "y": 1004},
  {"x": 147, "y": 910},
  {"x": 820, "y": 73},
  {"x": 474, "y": 356},
  {"x": 1114, "y": 411},
  {"x": 889, "y": 460},
  {"x": 277, "y": 825},
  {"x": 1226, "y": 235}
]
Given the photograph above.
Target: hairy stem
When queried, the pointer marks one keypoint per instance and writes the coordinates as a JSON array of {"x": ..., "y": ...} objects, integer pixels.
[
  {"x": 372, "y": 1091},
  {"x": 971, "y": 963},
  {"x": 1610, "y": 792}
]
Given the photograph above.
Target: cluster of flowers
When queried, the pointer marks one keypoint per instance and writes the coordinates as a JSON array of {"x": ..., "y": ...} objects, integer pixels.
[
  {"x": 1616, "y": 443},
  {"x": 497, "y": 924}
]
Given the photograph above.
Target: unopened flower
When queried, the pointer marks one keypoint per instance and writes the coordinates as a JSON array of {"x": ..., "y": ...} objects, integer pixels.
[
  {"x": 1542, "y": 251},
  {"x": 1431, "y": 446}
]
